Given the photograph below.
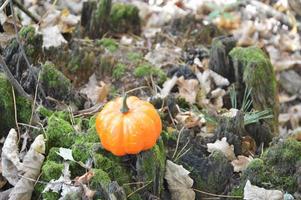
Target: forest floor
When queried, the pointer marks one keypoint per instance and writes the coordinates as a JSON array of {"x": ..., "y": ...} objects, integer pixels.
[{"x": 224, "y": 77}]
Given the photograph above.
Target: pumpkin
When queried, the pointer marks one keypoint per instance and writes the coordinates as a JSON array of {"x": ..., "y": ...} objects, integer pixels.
[{"x": 128, "y": 125}]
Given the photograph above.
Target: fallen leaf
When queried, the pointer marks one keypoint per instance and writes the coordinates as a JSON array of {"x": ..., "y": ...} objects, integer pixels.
[
  {"x": 223, "y": 146},
  {"x": 66, "y": 154},
  {"x": 32, "y": 164},
  {"x": 10, "y": 162},
  {"x": 97, "y": 91},
  {"x": 248, "y": 146},
  {"x": 252, "y": 192},
  {"x": 179, "y": 183},
  {"x": 188, "y": 89},
  {"x": 219, "y": 80},
  {"x": 84, "y": 179},
  {"x": 88, "y": 192},
  {"x": 103, "y": 92},
  {"x": 188, "y": 119},
  {"x": 241, "y": 163},
  {"x": 162, "y": 56},
  {"x": 167, "y": 86},
  {"x": 3, "y": 181},
  {"x": 52, "y": 37}
]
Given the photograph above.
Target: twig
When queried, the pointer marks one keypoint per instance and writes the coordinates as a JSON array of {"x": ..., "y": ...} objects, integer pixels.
[
  {"x": 30, "y": 126},
  {"x": 15, "y": 112},
  {"x": 217, "y": 195},
  {"x": 34, "y": 100},
  {"x": 13, "y": 81},
  {"x": 178, "y": 141},
  {"x": 139, "y": 189},
  {"x": 27, "y": 12},
  {"x": 4, "y": 5},
  {"x": 90, "y": 111}
]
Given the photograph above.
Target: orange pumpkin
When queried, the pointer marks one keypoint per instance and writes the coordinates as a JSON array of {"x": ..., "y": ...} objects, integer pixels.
[{"x": 128, "y": 126}]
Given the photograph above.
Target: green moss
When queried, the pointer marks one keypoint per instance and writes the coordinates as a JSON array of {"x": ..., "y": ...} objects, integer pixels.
[
  {"x": 27, "y": 33},
  {"x": 7, "y": 117},
  {"x": 23, "y": 109},
  {"x": 54, "y": 82},
  {"x": 237, "y": 191},
  {"x": 59, "y": 133},
  {"x": 277, "y": 168},
  {"x": 151, "y": 166},
  {"x": 119, "y": 71},
  {"x": 32, "y": 43},
  {"x": 6, "y": 105},
  {"x": 51, "y": 170},
  {"x": 145, "y": 69},
  {"x": 284, "y": 156},
  {"x": 53, "y": 155},
  {"x": 125, "y": 18},
  {"x": 134, "y": 56},
  {"x": 109, "y": 43},
  {"x": 82, "y": 151},
  {"x": 255, "y": 172},
  {"x": 100, "y": 179},
  {"x": 43, "y": 111},
  {"x": 51, "y": 196},
  {"x": 112, "y": 167}
]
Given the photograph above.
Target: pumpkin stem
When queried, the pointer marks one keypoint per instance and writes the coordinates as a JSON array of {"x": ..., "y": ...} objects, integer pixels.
[{"x": 124, "y": 108}]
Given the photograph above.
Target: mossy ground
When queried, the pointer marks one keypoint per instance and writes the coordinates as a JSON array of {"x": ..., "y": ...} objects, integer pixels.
[
  {"x": 276, "y": 169},
  {"x": 119, "y": 71},
  {"x": 85, "y": 146},
  {"x": 108, "y": 43},
  {"x": 145, "y": 70}
]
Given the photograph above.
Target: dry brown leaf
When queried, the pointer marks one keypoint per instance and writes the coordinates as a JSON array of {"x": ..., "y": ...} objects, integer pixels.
[
  {"x": 222, "y": 146},
  {"x": 252, "y": 192},
  {"x": 189, "y": 119},
  {"x": 241, "y": 163},
  {"x": 84, "y": 179},
  {"x": 228, "y": 23},
  {"x": 10, "y": 162},
  {"x": 179, "y": 183},
  {"x": 248, "y": 146},
  {"x": 167, "y": 86},
  {"x": 32, "y": 164},
  {"x": 96, "y": 91},
  {"x": 88, "y": 192},
  {"x": 188, "y": 89},
  {"x": 103, "y": 92},
  {"x": 3, "y": 181}
]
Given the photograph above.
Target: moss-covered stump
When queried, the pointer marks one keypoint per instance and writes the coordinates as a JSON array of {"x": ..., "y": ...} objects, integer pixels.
[
  {"x": 254, "y": 70},
  {"x": 124, "y": 18},
  {"x": 277, "y": 169},
  {"x": 54, "y": 82},
  {"x": 7, "y": 116},
  {"x": 151, "y": 168},
  {"x": 32, "y": 43},
  {"x": 100, "y": 17},
  {"x": 210, "y": 174}
]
